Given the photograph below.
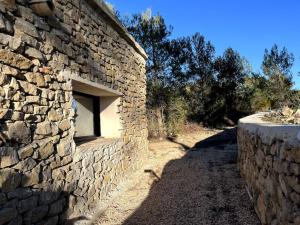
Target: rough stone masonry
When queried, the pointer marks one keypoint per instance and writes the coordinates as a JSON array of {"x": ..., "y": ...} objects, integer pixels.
[
  {"x": 269, "y": 160},
  {"x": 44, "y": 177}
]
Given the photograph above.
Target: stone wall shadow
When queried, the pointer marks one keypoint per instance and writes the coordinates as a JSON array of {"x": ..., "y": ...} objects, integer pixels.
[
  {"x": 186, "y": 195},
  {"x": 25, "y": 205}
]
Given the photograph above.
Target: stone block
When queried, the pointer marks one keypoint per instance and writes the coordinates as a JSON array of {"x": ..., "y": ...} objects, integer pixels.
[
  {"x": 22, "y": 26},
  {"x": 25, "y": 152},
  {"x": 5, "y": 113},
  {"x": 26, "y": 165},
  {"x": 44, "y": 128},
  {"x": 64, "y": 125},
  {"x": 28, "y": 204},
  {"x": 25, "y": 13},
  {"x": 65, "y": 147},
  {"x": 8, "y": 157},
  {"x": 20, "y": 193},
  {"x": 19, "y": 132},
  {"x": 9, "y": 180},
  {"x": 31, "y": 178},
  {"x": 7, "y": 214},
  {"x": 57, "y": 207},
  {"x": 37, "y": 214},
  {"x": 33, "y": 53},
  {"x": 28, "y": 88},
  {"x": 55, "y": 115},
  {"x": 46, "y": 150},
  {"x": 15, "y": 60}
]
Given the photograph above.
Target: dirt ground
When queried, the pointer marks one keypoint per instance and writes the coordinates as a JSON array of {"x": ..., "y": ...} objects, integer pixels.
[{"x": 192, "y": 180}]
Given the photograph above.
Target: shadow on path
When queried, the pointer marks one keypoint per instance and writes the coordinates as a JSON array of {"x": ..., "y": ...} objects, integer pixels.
[{"x": 202, "y": 188}]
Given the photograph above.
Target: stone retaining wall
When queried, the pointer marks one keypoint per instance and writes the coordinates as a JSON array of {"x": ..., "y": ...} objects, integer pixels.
[
  {"x": 44, "y": 177},
  {"x": 269, "y": 161}
]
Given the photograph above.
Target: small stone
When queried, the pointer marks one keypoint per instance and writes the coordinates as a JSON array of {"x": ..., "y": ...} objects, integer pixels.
[
  {"x": 57, "y": 207},
  {"x": 4, "y": 39},
  {"x": 64, "y": 147},
  {"x": 8, "y": 157},
  {"x": 25, "y": 152},
  {"x": 55, "y": 115},
  {"x": 5, "y": 113},
  {"x": 39, "y": 213},
  {"x": 26, "y": 165},
  {"x": 33, "y": 99},
  {"x": 32, "y": 53},
  {"x": 9, "y": 180},
  {"x": 64, "y": 125},
  {"x": 20, "y": 193},
  {"x": 27, "y": 39},
  {"x": 285, "y": 189},
  {"x": 27, "y": 204},
  {"x": 28, "y": 88},
  {"x": 48, "y": 196},
  {"x": 44, "y": 128},
  {"x": 4, "y": 79},
  {"x": 7, "y": 70},
  {"x": 19, "y": 132},
  {"x": 10, "y": 5},
  {"x": 262, "y": 209},
  {"x": 22, "y": 26},
  {"x": 7, "y": 215},
  {"x": 17, "y": 116},
  {"x": 297, "y": 114},
  {"x": 40, "y": 110},
  {"x": 25, "y": 13},
  {"x": 294, "y": 183},
  {"x": 46, "y": 150},
  {"x": 16, "y": 44},
  {"x": 286, "y": 111},
  {"x": 31, "y": 178},
  {"x": 15, "y": 60},
  {"x": 41, "y": 24},
  {"x": 2, "y": 198},
  {"x": 16, "y": 221}
]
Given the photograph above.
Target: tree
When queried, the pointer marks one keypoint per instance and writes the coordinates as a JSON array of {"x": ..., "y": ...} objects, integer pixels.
[
  {"x": 231, "y": 73},
  {"x": 153, "y": 35},
  {"x": 277, "y": 64}
]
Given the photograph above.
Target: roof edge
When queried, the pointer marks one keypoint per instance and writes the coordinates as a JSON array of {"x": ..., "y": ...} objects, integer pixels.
[{"x": 119, "y": 27}]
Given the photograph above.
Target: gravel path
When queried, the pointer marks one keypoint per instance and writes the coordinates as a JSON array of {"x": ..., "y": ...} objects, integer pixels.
[{"x": 185, "y": 186}]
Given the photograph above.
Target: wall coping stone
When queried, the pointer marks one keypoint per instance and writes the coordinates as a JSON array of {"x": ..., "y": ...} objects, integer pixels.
[
  {"x": 269, "y": 131},
  {"x": 119, "y": 27}
]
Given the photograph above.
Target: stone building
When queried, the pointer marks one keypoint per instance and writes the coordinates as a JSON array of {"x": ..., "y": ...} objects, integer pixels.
[{"x": 72, "y": 110}]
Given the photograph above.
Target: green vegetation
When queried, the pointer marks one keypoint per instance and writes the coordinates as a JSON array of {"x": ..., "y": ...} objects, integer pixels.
[{"x": 187, "y": 82}]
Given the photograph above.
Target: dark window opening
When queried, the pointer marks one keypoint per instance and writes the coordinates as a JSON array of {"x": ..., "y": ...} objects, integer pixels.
[{"x": 87, "y": 116}]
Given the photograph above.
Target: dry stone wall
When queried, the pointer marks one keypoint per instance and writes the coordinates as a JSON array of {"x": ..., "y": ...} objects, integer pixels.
[
  {"x": 269, "y": 160},
  {"x": 44, "y": 177}
]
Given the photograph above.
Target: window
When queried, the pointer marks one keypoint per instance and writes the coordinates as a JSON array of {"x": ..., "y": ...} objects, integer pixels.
[
  {"x": 87, "y": 121},
  {"x": 97, "y": 110}
]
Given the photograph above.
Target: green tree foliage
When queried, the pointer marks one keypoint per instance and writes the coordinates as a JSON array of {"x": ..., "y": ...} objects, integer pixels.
[
  {"x": 277, "y": 66},
  {"x": 186, "y": 81},
  {"x": 153, "y": 35},
  {"x": 257, "y": 89}
]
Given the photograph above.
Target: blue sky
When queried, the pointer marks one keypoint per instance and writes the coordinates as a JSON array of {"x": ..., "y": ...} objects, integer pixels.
[{"x": 248, "y": 26}]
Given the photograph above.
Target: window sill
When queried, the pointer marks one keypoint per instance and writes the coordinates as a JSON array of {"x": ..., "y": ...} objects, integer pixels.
[
  {"x": 97, "y": 146},
  {"x": 94, "y": 141}
]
